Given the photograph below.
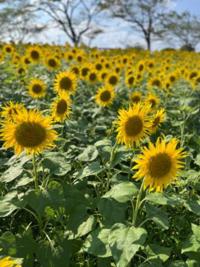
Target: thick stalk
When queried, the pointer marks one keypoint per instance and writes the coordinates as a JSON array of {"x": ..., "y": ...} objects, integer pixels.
[
  {"x": 137, "y": 204},
  {"x": 35, "y": 174}
]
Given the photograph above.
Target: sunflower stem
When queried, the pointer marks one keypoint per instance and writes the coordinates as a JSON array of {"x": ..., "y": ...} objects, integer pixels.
[
  {"x": 137, "y": 204},
  {"x": 112, "y": 154},
  {"x": 35, "y": 174}
]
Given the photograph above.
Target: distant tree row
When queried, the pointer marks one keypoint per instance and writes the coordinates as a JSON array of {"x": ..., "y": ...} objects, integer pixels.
[{"x": 152, "y": 19}]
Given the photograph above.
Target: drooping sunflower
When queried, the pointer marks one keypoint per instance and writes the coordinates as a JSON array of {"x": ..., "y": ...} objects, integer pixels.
[
  {"x": 8, "y": 262},
  {"x": 104, "y": 96},
  {"x": 37, "y": 88},
  {"x": 157, "y": 119},
  {"x": 65, "y": 81},
  {"x": 136, "y": 97},
  {"x": 159, "y": 164},
  {"x": 61, "y": 107},
  {"x": 133, "y": 125},
  {"x": 11, "y": 109},
  {"x": 30, "y": 132},
  {"x": 153, "y": 100}
]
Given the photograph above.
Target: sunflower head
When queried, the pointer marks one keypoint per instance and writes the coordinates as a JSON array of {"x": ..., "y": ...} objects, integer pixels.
[
  {"x": 37, "y": 88},
  {"x": 65, "y": 82},
  {"x": 30, "y": 132},
  {"x": 155, "y": 82},
  {"x": 157, "y": 119},
  {"x": 133, "y": 125},
  {"x": 61, "y": 107},
  {"x": 152, "y": 100},
  {"x": 92, "y": 76},
  {"x": 52, "y": 63},
  {"x": 34, "y": 53},
  {"x": 112, "y": 79},
  {"x": 159, "y": 164},
  {"x": 130, "y": 80},
  {"x": 10, "y": 110},
  {"x": 136, "y": 97},
  {"x": 104, "y": 96},
  {"x": 8, "y": 262}
]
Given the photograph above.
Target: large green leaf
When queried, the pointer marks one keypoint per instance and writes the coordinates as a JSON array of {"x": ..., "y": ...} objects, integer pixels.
[
  {"x": 89, "y": 154},
  {"x": 157, "y": 215},
  {"x": 124, "y": 242},
  {"x": 122, "y": 192},
  {"x": 97, "y": 243}
]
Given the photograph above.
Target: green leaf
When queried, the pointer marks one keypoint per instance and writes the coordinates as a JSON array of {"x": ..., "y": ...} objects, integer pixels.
[
  {"x": 152, "y": 263},
  {"x": 6, "y": 204},
  {"x": 162, "y": 199},
  {"x": 197, "y": 160},
  {"x": 112, "y": 211},
  {"x": 122, "y": 192},
  {"x": 124, "y": 242},
  {"x": 89, "y": 154},
  {"x": 192, "y": 263},
  {"x": 155, "y": 251},
  {"x": 157, "y": 215},
  {"x": 97, "y": 243},
  {"x": 8, "y": 244},
  {"x": 92, "y": 169},
  {"x": 15, "y": 170},
  {"x": 178, "y": 264},
  {"x": 193, "y": 243},
  {"x": 104, "y": 142},
  {"x": 193, "y": 206},
  {"x": 56, "y": 163}
]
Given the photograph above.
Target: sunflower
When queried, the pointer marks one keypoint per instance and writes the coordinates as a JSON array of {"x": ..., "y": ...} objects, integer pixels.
[
  {"x": 34, "y": 53},
  {"x": 11, "y": 109},
  {"x": 85, "y": 69},
  {"x": 133, "y": 125},
  {"x": 159, "y": 164},
  {"x": 157, "y": 119},
  {"x": 104, "y": 96},
  {"x": 21, "y": 70},
  {"x": 130, "y": 80},
  {"x": 8, "y": 262},
  {"x": 136, "y": 97},
  {"x": 8, "y": 49},
  {"x": 153, "y": 100},
  {"x": 112, "y": 79},
  {"x": 30, "y": 131},
  {"x": 37, "y": 88},
  {"x": 75, "y": 69},
  {"x": 92, "y": 76},
  {"x": 65, "y": 81},
  {"x": 155, "y": 82},
  {"x": 52, "y": 63},
  {"x": 61, "y": 107}
]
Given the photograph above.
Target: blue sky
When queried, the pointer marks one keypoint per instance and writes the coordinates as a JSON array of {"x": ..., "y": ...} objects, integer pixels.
[
  {"x": 189, "y": 5},
  {"x": 118, "y": 34}
]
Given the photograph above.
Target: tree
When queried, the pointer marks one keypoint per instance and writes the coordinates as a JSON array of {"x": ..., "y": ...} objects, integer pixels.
[
  {"x": 73, "y": 17},
  {"x": 18, "y": 21},
  {"x": 184, "y": 28},
  {"x": 144, "y": 16}
]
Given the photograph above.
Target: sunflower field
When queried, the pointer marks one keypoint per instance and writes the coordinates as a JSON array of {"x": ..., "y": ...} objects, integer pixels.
[{"x": 100, "y": 157}]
